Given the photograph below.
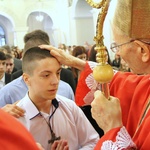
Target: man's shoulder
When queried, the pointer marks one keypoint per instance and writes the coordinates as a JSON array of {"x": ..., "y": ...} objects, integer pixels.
[
  {"x": 61, "y": 98},
  {"x": 14, "y": 84}
]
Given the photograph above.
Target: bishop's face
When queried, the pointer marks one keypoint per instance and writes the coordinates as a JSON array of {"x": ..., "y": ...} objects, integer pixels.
[{"x": 132, "y": 53}]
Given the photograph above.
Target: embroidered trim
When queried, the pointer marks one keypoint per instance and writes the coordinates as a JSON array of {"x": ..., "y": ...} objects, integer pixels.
[
  {"x": 91, "y": 84},
  {"x": 123, "y": 142},
  {"x": 92, "y": 64}
]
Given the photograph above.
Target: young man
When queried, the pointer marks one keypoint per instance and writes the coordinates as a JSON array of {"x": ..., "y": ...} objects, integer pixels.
[
  {"x": 17, "y": 89},
  {"x": 125, "y": 117},
  {"x": 48, "y": 116}
]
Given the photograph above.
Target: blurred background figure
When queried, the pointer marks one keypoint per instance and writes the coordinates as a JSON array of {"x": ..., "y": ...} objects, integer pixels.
[
  {"x": 16, "y": 54},
  {"x": 4, "y": 77},
  {"x": 10, "y": 68},
  {"x": 116, "y": 62},
  {"x": 70, "y": 49},
  {"x": 79, "y": 52},
  {"x": 92, "y": 55},
  {"x": 63, "y": 47}
]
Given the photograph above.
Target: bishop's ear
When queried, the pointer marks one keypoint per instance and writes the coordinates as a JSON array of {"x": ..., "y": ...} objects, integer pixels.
[
  {"x": 144, "y": 51},
  {"x": 26, "y": 78}
]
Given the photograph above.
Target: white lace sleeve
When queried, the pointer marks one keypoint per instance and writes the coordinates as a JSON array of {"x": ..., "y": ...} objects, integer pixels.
[{"x": 123, "y": 142}]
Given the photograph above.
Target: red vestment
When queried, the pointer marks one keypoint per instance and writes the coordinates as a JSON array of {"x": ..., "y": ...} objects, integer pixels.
[
  {"x": 134, "y": 94},
  {"x": 14, "y": 135}
]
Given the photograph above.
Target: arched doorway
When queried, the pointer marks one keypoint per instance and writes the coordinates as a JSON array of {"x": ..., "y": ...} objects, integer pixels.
[
  {"x": 84, "y": 22},
  {"x": 40, "y": 20},
  {"x": 2, "y": 36},
  {"x": 6, "y": 31}
]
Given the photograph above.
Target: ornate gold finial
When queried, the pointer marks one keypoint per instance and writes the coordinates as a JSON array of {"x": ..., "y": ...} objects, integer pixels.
[{"x": 103, "y": 72}]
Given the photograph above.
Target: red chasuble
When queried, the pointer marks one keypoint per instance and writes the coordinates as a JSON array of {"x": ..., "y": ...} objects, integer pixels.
[
  {"x": 134, "y": 94},
  {"x": 14, "y": 135}
]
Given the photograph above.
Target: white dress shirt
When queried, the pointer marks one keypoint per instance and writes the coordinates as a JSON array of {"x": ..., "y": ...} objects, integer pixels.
[
  {"x": 2, "y": 81},
  {"x": 68, "y": 121}
]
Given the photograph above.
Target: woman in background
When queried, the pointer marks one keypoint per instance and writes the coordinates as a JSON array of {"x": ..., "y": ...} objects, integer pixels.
[{"x": 79, "y": 52}]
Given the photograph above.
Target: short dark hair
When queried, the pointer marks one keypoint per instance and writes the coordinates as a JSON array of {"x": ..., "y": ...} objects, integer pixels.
[
  {"x": 31, "y": 57},
  {"x": 35, "y": 38},
  {"x": 2, "y": 56}
]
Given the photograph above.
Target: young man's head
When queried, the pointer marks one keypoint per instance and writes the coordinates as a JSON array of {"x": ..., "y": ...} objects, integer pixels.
[
  {"x": 41, "y": 73},
  {"x": 2, "y": 64},
  {"x": 9, "y": 63}
]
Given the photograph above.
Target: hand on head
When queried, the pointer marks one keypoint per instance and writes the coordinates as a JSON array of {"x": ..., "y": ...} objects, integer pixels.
[
  {"x": 65, "y": 58},
  {"x": 107, "y": 113},
  {"x": 59, "y": 54}
]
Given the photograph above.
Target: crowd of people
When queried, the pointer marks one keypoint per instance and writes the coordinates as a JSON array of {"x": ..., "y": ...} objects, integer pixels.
[{"x": 58, "y": 104}]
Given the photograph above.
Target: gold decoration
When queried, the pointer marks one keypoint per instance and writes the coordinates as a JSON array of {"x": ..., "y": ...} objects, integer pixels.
[{"x": 103, "y": 72}]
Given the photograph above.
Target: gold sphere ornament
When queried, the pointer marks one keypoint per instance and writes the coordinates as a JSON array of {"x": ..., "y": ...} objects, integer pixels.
[{"x": 103, "y": 73}]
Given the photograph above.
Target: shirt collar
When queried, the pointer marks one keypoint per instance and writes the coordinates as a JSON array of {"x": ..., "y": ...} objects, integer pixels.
[{"x": 30, "y": 108}]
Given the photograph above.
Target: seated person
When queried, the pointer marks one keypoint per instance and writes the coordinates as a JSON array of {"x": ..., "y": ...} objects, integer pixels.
[{"x": 48, "y": 116}]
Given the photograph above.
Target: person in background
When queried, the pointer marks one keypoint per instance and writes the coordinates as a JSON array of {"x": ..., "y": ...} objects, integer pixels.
[
  {"x": 93, "y": 52},
  {"x": 125, "y": 116},
  {"x": 42, "y": 75},
  {"x": 4, "y": 77},
  {"x": 116, "y": 62},
  {"x": 79, "y": 52},
  {"x": 10, "y": 68},
  {"x": 17, "y": 61}
]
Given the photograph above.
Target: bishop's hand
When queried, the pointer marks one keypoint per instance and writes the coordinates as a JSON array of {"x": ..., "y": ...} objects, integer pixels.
[{"x": 107, "y": 113}]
